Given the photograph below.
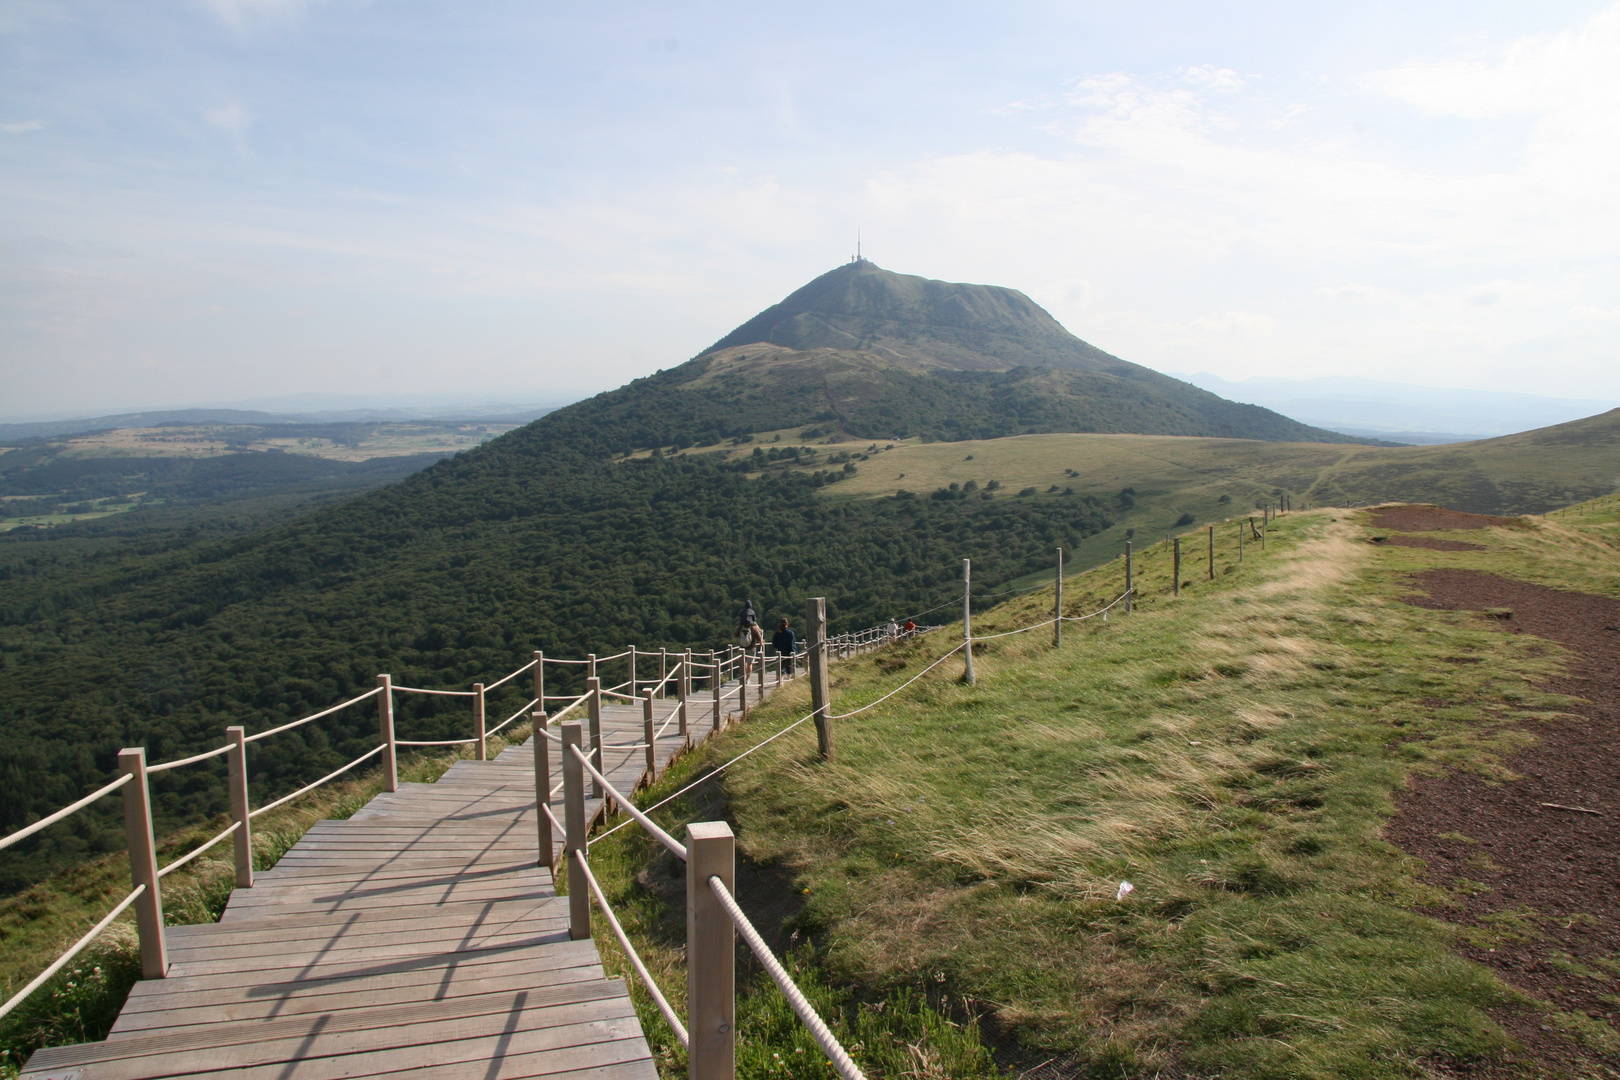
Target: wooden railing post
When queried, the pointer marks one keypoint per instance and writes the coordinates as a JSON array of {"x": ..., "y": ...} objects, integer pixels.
[
  {"x": 590, "y": 665},
  {"x": 579, "y": 891},
  {"x": 648, "y": 734},
  {"x": 478, "y": 721},
  {"x": 385, "y": 729},
  {"x": 542, "y": 787},
  {"x": 711, "y": 953},
  {"x": 1175, "y": 586},
  {"x": 815, "y": 628},
  {"x": 1057, "y": 603},
  {"x": 683, "y": 686},
  {"x": 1212, "y": 553},
  {"x": 1130, "y": 594},
  {"x": 593, "y": 710},
  {"x": 778, "y": 679},
  {"x": 633, "y": 691},
  {"x": 540, "y": 680},
  {"x": 714, "y": 686},
  {"x": 143, "y": 864},
  {"x": 242, "y": 840},
  {"x": 967, "y": 622},
  {"x": 760, "y": 664},
  {"x": 663, "y": 671}
]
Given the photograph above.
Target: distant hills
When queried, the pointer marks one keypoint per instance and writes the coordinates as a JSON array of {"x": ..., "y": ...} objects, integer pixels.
[
  {"x": 1403, "y": 412},
  {"x": 873, "y": 354},
  {"x": 45, "y": 429}
]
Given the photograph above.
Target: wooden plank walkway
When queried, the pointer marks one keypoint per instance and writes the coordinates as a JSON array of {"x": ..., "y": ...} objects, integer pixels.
[{"x": 421, "y": 933}]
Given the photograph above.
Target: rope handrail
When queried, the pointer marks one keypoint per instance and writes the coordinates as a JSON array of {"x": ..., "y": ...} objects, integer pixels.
[
  {"x": 714, "y": 772},
  {"x": 503, "y": 680},
  {"x": 373, "y": 752},
  {"x": 178, "y": 863},
  {"x": 73, "y": 950},
  {"x": 566, "y": 709},
  {"x": 1116, "y": 601},
  {"x": 615, "y": 656},
  {"x": 806, "y": 1012},
  {"x": 435, "y": 742},
  {"x": 635, "y": 960},
  {"x": 435, "y": 693},
  {"x": 871, "y": 704},
  {"x": 192, "y": 760},
  {"x": 1010, "y": 633},
  {"x": 658, "y": 686},
  {"x": 555, "y": 660},
  {"x": 624, "y": 746},
  {"x": 46, "y": 822},
  {"x": 625, "y": 697},
  {"x": 317, "y": 716},
  {"x": 511, "y": 718},
  {"x": 646, "y": 822}
]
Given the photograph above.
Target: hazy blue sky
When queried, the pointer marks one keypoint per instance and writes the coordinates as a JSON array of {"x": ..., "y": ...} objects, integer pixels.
[{"x": 237, "y": 198}]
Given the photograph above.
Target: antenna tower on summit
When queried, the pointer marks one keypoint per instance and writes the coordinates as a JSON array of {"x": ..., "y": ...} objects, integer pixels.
[{"x": 855, "y": 258}]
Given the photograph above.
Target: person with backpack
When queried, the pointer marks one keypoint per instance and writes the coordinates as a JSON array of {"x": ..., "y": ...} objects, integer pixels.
[
  {"x": 785, "y": 644},
  {"x": 750, "y": 637}
]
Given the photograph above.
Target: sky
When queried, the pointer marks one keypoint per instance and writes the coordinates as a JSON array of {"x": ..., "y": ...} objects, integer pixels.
[{"x": 215, "y": 201}]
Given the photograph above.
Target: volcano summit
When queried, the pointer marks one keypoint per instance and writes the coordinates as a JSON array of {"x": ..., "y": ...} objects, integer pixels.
[{"x": 869, "y": 353}]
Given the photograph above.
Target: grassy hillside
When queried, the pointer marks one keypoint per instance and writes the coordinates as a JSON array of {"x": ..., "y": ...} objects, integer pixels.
[
  {"x": 1234, "y": 754},
  {"x": 1216, "y": 479}
]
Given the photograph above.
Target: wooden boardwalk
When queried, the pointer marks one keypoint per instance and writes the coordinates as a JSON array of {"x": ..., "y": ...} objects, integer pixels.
[{"x": 419, "y": 934}]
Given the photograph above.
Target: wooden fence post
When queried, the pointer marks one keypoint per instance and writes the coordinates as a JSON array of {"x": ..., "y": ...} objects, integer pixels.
[
  {"x": 649, "y": 735},
  {"x": 1130, "y": 589},
  {"x": 1175, "y": 587},
  {"x": 478, "y": 721},
  {"x": 1264, "y": 528},
  {"x": 590, "y": 665},
  {"x": 633, "y": 692},
  {"x": 967, "y": 622},
  {"x": 540, "y": 680},
  {"x": 1057, "y": 603},
  {"x": 760, "y": 663},
  {"x": 1240, "y": 539},
  {"x": 242, "y": 841},
  {"x": 815, "y": 628},
  {"x": 385, "y": 728},
  {"x": 143, "y": 864},
  {"x": 663, "y": 671},
  {"x": 579, "y": 891},
  {"x": 1212, "y": 553},
  {"x": 711, "y": 952},
  {"x": 542, "y": 788},
  {"x": 683, "y": 686},
  {"x": 593, "y": 710},
  {"x": 778, "y": 680},
  {"x": 714, "y": 686}
]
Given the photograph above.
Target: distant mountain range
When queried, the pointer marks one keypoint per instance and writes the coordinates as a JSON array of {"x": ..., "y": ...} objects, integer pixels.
[
  {"x": 1402, "y": 412},
  {"x": 516, "y": 413}
]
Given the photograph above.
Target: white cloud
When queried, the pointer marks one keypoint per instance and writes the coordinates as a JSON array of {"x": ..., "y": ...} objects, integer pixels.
[
  {"x": 243, "y": 15},
  {"x": 20, "y": 126}
]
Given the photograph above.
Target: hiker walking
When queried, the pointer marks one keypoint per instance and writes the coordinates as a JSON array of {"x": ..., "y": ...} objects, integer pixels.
[
  {"x": 785, "y": 644},
  {"x": 750, "y": 637}
]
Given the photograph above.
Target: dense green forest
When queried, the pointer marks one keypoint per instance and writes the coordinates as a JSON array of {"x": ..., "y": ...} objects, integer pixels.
[{"x": 164, "y": 637}]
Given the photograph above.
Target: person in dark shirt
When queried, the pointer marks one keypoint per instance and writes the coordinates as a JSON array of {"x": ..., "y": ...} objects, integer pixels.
[{"x": 785, "y": 643}]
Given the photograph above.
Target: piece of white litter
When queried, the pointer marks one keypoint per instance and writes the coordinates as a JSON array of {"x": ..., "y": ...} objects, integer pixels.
[{"x": 1125, "y": 889}]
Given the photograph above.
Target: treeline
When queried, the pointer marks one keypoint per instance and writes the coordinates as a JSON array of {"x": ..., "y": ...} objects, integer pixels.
[{"x": 452, "y": 575}]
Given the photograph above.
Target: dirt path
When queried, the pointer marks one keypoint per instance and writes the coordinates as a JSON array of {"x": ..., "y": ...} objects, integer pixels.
[{"x": 1546, "y": 906}]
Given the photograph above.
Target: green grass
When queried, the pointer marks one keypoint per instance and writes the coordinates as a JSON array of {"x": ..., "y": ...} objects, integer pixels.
[
  {"x": 37, "y": 925},
  {"x": 1233, "y": 753}
]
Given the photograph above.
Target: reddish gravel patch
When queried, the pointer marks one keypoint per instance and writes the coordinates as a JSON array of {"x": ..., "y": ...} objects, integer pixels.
[
  {"x": 1429, "y": 542},
  {"x": 1560, "y": 863},
  {"x": 1416, "y": 518}
]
